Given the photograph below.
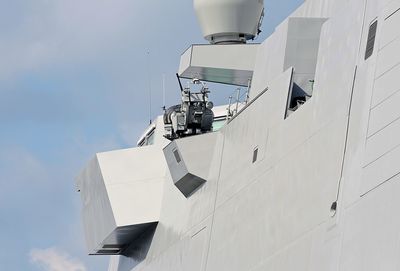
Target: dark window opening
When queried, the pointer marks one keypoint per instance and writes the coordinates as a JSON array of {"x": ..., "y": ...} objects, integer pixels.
[
  {"x": 255, "y": 155},
  {"x": 297, "y": 97},
  {"x": 177, "y": 157}
]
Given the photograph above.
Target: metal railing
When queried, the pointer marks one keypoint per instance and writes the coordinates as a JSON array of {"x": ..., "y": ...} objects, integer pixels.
[{"x": 237, "y": 100}]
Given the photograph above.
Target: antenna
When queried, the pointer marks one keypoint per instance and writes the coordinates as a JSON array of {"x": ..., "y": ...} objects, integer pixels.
[
  {"x": 163, "y": 89},
  {"x": 149, "y": 82},
  {"x": 179, "y": 81}
]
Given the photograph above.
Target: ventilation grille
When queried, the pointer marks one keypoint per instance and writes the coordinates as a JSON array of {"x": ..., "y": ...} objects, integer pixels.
[
  {"x": 371, "y": 40},
  {"x": 108, "y": 252}
]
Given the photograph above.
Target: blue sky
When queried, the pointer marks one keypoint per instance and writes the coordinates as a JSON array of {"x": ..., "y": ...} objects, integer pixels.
[{"x": 74, "y": 80}]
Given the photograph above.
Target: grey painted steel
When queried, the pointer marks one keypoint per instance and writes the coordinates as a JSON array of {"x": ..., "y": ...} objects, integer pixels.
[
  {"x": 121, "y": 197},
  {"x": 185, "y": 181},
  {"x": 228, "y": 64},
  {"x": 185, "y": 161},
  {"x": 302, "y": 45},
  {"x": 342, "y": 146},
  {"x": 229, "y": 21}
]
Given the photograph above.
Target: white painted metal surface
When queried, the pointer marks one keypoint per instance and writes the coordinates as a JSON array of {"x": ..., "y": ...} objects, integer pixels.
[
  {"x": 121, "y": 191},
  {"x": 315, "y": 190},
  {"x": 222, "y": 20},
  {"x": 231, "y": 64}
]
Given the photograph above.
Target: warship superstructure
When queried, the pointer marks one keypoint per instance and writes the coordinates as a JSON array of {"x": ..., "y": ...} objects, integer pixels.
[{"x": 303, "y": 174}]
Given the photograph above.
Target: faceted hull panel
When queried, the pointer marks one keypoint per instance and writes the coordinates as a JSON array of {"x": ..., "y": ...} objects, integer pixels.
[
  {"x": 189, "y": 161},
  {"x": 121, "y": 194}
]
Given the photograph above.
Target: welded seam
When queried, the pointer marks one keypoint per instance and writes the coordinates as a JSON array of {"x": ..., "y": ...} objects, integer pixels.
[
  {"x": 347, "y": 135},
  {"x": 215, "y": 204}
]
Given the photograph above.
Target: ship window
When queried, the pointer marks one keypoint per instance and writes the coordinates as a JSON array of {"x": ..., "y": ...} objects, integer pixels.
[
  {"x": 255, "y": 155},
  {"x": 148, "y": 139},
  {"x": 371, "y": 40},
  {"x": 218, "y": 123},
  {"x": 177, "y": 157}
]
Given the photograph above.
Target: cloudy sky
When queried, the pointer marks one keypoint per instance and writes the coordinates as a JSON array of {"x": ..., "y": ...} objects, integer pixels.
[{"x": 74, "y": 80}]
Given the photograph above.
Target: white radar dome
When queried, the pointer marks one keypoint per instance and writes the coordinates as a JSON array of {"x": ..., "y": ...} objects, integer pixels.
[{"x": 229, "y": 21}]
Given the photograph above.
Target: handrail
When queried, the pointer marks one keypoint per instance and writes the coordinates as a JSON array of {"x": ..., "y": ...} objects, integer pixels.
[{"x": 248, "y": 104}]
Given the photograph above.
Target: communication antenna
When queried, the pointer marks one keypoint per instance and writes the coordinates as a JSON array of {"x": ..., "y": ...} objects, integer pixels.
[
  {"x": 179, "y": 81},
  {"x": 163, "y": 90},
  {"x": 149, "y": 82}
]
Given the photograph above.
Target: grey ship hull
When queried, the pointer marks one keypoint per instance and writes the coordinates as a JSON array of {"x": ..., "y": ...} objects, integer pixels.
[{"x": 322, "y": 190}]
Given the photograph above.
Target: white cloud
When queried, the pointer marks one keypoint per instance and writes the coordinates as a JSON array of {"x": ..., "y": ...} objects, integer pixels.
[{"x": 53, "y": 259}]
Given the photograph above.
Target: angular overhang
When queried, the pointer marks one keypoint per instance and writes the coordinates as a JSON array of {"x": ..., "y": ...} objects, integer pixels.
[
  {"x": 189, "y": 173},
  {"x": 121, "y": 195},
  {"x": 231, "y": 64}
]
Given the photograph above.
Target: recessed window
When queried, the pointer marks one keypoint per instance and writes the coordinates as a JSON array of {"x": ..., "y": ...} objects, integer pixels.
[
  {"x": 148, "y": 139},
  {"x": 177, "y": 156},
  {"x": 371, "y": 40},
  {"x": 218, "y": 123},
  {"x": 255, "y": 155}
]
